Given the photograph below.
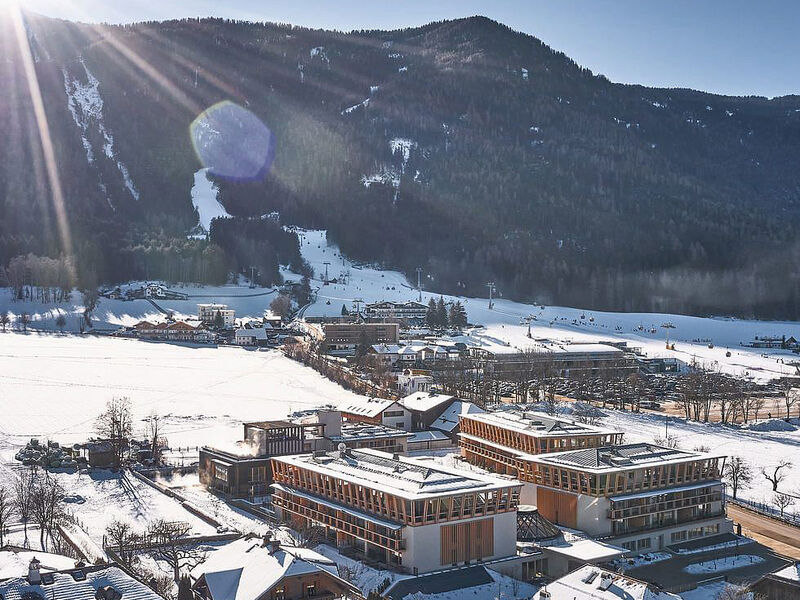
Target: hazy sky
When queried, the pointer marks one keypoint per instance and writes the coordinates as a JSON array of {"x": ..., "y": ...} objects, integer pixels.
[{"x": 728, "y": 47}]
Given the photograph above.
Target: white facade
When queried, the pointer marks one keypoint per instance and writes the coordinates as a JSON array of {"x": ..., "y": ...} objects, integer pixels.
[{"x": 207, "y": 313}]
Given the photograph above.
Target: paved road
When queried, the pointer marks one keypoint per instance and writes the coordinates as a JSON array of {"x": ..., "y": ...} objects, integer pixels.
[{"x": 782, "y": 538}]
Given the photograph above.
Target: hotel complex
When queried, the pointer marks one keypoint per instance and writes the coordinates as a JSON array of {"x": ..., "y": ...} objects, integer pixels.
[
  {"x": 642, "y": 496},
  {"x": 406, "y": 513}
]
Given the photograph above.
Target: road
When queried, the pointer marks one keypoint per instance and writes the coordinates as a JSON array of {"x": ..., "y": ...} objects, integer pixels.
[{"x": 780, "y": 537}]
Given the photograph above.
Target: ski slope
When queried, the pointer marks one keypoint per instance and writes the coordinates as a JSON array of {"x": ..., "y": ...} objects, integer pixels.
[{"x": 504, "y": 331}]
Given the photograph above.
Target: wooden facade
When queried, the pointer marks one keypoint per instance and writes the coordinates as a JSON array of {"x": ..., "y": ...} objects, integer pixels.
[
  {"x": 498, "y": 448},
  {"x": 559, "y": 507},
  {"x": 463, "y": 542}
]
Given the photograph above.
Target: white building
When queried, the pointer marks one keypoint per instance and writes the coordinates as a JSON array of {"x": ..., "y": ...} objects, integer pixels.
[
  {"x": 411, "y": 514},
  {"x": 207, "y": 313},
  {"x": 402, "y": 311},
  {"x": 250, "y": 337},
  {"x": 409, "y": 382}
]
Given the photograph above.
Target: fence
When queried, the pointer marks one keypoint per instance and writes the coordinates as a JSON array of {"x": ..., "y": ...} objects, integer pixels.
[{"x": 768, "y": 510}]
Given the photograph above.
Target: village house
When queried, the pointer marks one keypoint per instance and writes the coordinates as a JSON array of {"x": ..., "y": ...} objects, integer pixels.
[
  {"x": 378, "y": 411},
  {"x": 783, "y": 584},
  {"x": 175, "y": 331},
  {"x": 408, "y": 514},
  {"x": 252, "y": 336},
  {"x": 253, "y": 568},
  {"x": 410, "y": 381},
  {"x": 99, "y": 582}
]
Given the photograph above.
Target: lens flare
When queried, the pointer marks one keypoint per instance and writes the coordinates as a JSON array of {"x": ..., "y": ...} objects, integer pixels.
[{"x": 232, "y": 142}]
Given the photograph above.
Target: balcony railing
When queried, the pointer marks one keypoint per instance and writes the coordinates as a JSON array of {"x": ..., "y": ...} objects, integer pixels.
[{"x": 664, "y": 506}]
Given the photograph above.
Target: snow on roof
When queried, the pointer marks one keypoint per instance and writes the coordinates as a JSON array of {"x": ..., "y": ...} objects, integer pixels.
[
  {"x": 792, "y": 572},
  {"x": 366, "y": 407},
  {"x": 424, "y": 401},
  {"x": 258, "y": 333},
  {"x": 538, "y": 424},
  {"x": 14, "y": 562},
  {"x": 426, "y": 436},
  {"x": 621, "y": 458},
  {"x": 78, "y": 584},
  {"x": 586, "y": 549},
  {"x": 590, "y": 582},
  {"x": 448, "y": 420},
  {"x": 402, "y": 476},
  {"x": 247, "y": 568},
  {"x": 366, "y": 431}
]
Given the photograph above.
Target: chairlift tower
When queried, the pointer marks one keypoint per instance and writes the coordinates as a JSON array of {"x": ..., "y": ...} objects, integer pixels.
[
  {"x": 419, "y": 283},
  {"x": 326, "y": 272},
  {"x": 492, "y": 289}
]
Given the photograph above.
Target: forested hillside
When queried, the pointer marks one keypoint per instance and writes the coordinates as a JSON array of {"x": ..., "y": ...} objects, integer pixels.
[{"x": 462, "y": 147}]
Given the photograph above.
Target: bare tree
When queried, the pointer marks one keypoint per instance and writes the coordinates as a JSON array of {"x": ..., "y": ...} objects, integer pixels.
[
  {"x": 4, "y": 320},
  {"x": 783, "y": 501},
  {"x": 667, "y": 441},
  {"x": 48, "y": 496},
  {"x": 115, "y": 424},
  {"x": 757, "y": 405},
  {"x": 171, "y": 546},
  {"x": 6, "y": 511},
  {"x": 789, "y": 397},
  {"x": 154, "y": 435},
  {"x": 121, "y": 536},
  {"x": 24, "y": 321},
  {"x": 738, "y": 474},
  {"x": 61, "y": 322},
  {"x": 777, "y": 473},
  {"x": 23, "y": 498}
]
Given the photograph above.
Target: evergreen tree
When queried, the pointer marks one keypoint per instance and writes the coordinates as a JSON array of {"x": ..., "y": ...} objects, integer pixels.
[
  {"x": 303, "y": 292},
  {"x": 345, "y": 312},
  {"x": 431, "y": 319},
  {"x": 458, "y": 315},
  {"x": 441, "y": 314},
  {"x": 219, "y": 323}
]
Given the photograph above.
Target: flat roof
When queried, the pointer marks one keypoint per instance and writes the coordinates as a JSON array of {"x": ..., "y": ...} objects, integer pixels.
[
  {"x": 425, "y": 401},
  {"x": 620, "y": 458},
  {"x": 364, "y": 431},
  {"x": 538, "y": 424},
  {"x": 402, "y": 476}
]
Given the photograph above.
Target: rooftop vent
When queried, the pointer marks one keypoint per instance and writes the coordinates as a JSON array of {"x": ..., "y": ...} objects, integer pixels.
[
  {"x": 605, "y": 581},
  {"x": 590, "y": 577},
  {"x": 544, "y": 594}
]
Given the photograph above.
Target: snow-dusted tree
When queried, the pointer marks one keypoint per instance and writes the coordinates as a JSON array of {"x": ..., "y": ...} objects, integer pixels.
[
  {"x": 154, "y": 435},
  {"x": 6, "y": 511},
  {"x": 47, "y": 503},
  {"x": 777, "y": 473},
  {"x": 116, "y": 424},
  {"x": 121, "y": 537},
  {"x": 5, "y": 319},
  {"x": 24, "y": 321},
  {"x": 23, "y": 498},
  {"x": 783, "y": 501},
  {"x": 172, "y": 546},
  {"x": 281, "y": 306},
  {"x": 667, "y": 441},
  {"x": 738, "y": 474}
]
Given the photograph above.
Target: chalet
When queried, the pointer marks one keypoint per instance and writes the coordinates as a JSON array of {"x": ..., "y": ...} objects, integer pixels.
[
  {"x": 378, "y": 411},
  {"x": 254, "y": 336},
  {"x": 253, "y": 568},
  {"x": 102, "y": 582},
  {"x": 410, "y": 381},
  {"x": 426, "y": 407}
]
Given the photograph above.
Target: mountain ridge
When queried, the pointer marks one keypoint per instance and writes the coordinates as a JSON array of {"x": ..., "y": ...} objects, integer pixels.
[{"x": 516, "y": 164}]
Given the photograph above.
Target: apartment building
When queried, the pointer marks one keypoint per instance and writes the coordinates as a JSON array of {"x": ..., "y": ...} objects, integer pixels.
[
  {"x": 643, "y": 497},
  {"x": 410, "y": 311},
  {"x": 410, "y": 514},
  {"x": 505, "y": 441},
  {"x": 207, "y": 314},
  {"x": 343, "y": 338}
]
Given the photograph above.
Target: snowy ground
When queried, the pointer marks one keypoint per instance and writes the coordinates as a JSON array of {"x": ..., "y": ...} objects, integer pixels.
[
  {"x": 54, "y": 386},
  {"x": 503, "y": 328}
]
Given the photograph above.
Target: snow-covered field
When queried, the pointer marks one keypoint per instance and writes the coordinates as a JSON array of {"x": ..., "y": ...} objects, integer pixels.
[{"x": 54, "y": 386}]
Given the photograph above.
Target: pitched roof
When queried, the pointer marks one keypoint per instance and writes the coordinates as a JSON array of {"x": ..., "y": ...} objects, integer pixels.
[
  {"x": 78, "y": 584},
  {"x": 448, "y": 420},
  {"x": 246, "y": 568},
  {"x": 14, "y": 561},
  {"x": 366, "y": 407},
  {"x": 425, "y": 401}
]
